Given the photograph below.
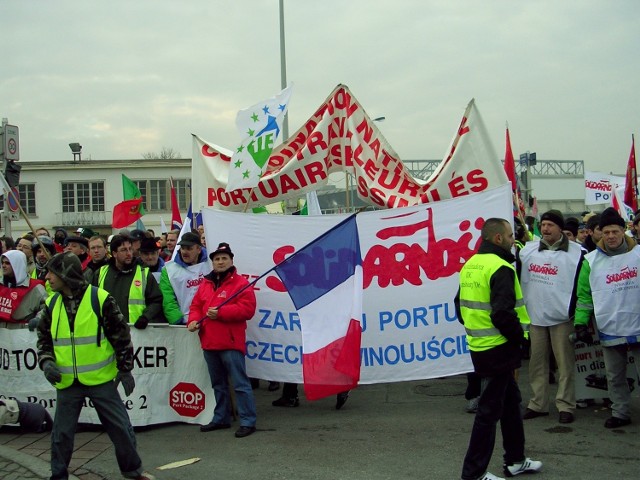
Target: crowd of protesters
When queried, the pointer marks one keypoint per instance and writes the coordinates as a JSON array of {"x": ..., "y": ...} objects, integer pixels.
[
  {"x": 575, "y": 283},
  {"x": 554, "y": 291}
]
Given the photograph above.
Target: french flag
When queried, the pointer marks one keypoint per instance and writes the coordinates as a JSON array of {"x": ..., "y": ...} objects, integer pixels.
[{"x": 324, "y": 281}]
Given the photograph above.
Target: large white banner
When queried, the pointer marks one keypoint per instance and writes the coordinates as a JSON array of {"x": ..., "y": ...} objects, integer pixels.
[
  {"x": 172, "y": 383},
  {"x": 411, "y": 261},
  {"x": 597, "y": 187},
  {"x": 340, "y": 137}
]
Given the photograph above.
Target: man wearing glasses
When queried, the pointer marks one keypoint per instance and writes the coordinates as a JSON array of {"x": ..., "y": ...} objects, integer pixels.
[
  {"x": 136, "y": 291},
  {"x": 24, "y": 245}
]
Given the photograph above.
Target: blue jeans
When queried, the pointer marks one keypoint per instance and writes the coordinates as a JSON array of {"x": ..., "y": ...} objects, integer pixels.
[
  {"x": 114, "y": 419},
  {"x": 225, "y": 365}
]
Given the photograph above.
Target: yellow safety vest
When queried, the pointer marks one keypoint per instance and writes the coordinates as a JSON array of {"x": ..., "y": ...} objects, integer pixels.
[
  {"x": 82, "y": 353},
  {"x": 135, "y": 304},
  {"x": 47, "y": 285},
  {"x": 475, "y": 302}
]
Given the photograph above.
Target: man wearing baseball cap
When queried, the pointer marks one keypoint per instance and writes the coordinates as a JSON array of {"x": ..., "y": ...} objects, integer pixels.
[
  {"x": 180, "y": 278},
  {"x": 219, "y": 313},
  {"x": 150, "y": 256},
  {"x": 80, "y": 246},
  {"x": 609, "y": 291}
]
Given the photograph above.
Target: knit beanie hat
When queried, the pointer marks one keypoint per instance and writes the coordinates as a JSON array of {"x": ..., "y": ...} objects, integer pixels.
[
  {"x": 67, "y": 266},
  {"x": 610, "y": 216},
  {"x": 593, "y": 221},
  {"x": 554, "y": 216},
  {"x": 571, "y": 224}
]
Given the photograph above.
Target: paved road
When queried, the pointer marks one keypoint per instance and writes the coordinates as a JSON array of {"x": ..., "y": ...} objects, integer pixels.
[{"x": 408, "y": 430}]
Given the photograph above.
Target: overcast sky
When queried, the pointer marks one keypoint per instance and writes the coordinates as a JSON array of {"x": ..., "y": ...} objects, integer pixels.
[{"x": 128, "y": 77}]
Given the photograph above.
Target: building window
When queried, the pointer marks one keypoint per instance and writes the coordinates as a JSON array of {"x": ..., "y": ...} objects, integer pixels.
[
  {"x": 83, "y": 197},
  {"x": 183, "y": 192},
  {"x": 27, "y": 193},
  {"x": 157, "y": 194}
]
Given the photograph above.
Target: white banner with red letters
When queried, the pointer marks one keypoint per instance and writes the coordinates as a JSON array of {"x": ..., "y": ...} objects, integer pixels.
[
  {"x": 340, "y": 137},
  {"x": 411, "y": 258},
  {"x": 597, "y": 187},
  {"x": 172, "y": 382}
]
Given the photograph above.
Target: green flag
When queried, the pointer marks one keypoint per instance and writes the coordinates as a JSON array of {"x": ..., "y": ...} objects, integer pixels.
[
  {"x": 260, "y": 209},
  {"x": 130, "y": 191}
]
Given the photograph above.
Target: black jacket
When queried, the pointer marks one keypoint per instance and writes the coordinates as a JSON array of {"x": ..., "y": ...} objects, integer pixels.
[
  {"x": 505, "y": 357},
  {"x": 118, "y": 282}
]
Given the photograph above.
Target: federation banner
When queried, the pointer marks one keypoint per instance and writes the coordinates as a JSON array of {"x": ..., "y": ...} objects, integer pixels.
[{"x": 340, "y": 137}]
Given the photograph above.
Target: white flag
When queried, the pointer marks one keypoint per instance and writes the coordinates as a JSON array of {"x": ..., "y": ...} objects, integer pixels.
[{"x": 259, "y": 125}]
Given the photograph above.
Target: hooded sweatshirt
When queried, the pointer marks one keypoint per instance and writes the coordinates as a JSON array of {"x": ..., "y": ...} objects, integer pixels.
[{"x": 21, "y": 297}]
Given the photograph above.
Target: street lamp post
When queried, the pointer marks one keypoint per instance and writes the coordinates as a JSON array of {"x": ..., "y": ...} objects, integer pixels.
[{"x": 283, "y": 70}]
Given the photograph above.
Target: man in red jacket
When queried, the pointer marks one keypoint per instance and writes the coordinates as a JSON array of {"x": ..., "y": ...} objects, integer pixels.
[{"x": 219, "y": 312}]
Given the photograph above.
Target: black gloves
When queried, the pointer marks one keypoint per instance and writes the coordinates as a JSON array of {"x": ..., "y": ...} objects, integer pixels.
[
  {"x": 51, "y": 372},
  {"x": 33, "y": 323},
  {"x": 126, "y": 378},
  {"x": 583, "y": 335},
  {"x": 141, "y": 323}
]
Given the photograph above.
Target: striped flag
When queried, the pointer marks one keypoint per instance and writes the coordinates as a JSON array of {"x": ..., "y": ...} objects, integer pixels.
[{"x": 324, "y": 281}]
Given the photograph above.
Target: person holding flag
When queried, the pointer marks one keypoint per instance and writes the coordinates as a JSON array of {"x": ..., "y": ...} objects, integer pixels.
[{"x": 219, "y": 313}]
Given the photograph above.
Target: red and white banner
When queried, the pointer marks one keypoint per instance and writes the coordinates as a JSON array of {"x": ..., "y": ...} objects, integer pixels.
[
  {"x": 597, "y": 187},
  {"x": 411, "y": 258},
  {"x": 340, "y": 137}
]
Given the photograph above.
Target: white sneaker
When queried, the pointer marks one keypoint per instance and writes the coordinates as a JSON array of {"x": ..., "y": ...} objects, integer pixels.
[
  {"x": 491, "y": 476},
  {"x": 526, "y": 466},
  {"x": 472, "y": 406}
]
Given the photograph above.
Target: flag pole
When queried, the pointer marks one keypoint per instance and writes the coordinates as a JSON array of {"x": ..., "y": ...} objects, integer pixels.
[
  {"x": 298, "y": 250},
  {"x": 24, "y": 214},
  {"x": 633, "y": 151}
]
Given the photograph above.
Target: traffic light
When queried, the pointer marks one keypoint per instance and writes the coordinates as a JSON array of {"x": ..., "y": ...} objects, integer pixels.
[{"x": 12, "y": 173}]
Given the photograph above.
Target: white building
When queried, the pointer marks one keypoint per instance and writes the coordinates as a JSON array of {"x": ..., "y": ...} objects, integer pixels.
[{"x": 72, "y": 194}]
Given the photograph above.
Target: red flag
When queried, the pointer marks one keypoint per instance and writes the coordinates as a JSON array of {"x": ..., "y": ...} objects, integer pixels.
[
  {"x": 631, "y": 181},
  {"x": 127, "y": 212},
  {"x": 176, "y": 219},
  {"x": 510, "y": 170},
  {"x": 509, "y": 164}
]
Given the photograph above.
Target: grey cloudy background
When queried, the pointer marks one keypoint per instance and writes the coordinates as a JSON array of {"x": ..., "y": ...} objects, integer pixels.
[{"x": 128, "y": 77}]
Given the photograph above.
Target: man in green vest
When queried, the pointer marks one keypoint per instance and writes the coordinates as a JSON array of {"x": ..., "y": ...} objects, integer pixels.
[
  {"x": 84, "y": 344},
  {"x": 136, "y": 291},
  {"x": 490, "y": 306}
]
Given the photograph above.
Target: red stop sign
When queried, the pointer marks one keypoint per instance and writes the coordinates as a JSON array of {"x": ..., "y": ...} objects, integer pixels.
[{"x": 187, "y": 399}]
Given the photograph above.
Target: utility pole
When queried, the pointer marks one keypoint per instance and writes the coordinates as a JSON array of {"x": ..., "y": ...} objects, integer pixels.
[
  {"x": 5, "y": 221},
  {"x": 9, "y": 152}
]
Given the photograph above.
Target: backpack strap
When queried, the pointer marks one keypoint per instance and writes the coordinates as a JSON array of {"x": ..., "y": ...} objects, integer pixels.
[
  {"x": 50, "y": 306},
  {"x": 95, "y": 305}
]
